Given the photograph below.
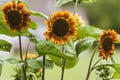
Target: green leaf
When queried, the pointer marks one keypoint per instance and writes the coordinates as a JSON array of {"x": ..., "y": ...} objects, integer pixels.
[
  {"x": 1, "y": 65},
  {"x": 84, "y": 44},
  {"x": 62, "y": 2},
  {"x": 33, "y": 25},
  {"x": 31, "y": 37},
  {"x": 79, "y": 1},
  {"x": 38, "y": 14},
  {"x": 118, "y": 41},
  {"x": 56, "y": 60},
  {"x": 116, "y": 67},
  {"x": 89, "y": 31},
  {"x": 33, "y": 63},
  {"x": 70, "y": 63},
  {"x": 116, "y": 75},
  {"x": 26, "y": 5},
  {"x": 5, "y": 46},
  {"x": 13, "y": 60},
  {"x": 48, "y": 48},
  {"x": 48, "y": 63},
  {"x": 18, "y": 62},
  {"x": 89, "y": 0},
  {"x": 69, "y": 50}
]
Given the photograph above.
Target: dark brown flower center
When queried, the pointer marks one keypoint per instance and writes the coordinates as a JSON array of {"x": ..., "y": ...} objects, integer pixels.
[
  {"x": 14, "y": 17},
  {"x": 60, "y": 27},
  {"x": 107, "y": 44}
]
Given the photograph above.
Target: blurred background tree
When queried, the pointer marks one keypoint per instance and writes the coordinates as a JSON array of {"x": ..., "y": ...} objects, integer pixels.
[{"x": 103, "y": 14}]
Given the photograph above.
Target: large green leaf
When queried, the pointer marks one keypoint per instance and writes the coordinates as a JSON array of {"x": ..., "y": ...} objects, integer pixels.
[
  {"x": 56, "y": 60},
  {"x": 5, "y": 46},
  {"x": 1, "y": 65},
  {"x": 38, "y": 14},
  {"x": 116, "y": 75},
  {"x": 89, "y": 31},
  {"x": 62, "y": 2},
  {"x": 70, "y": 63},
  {"x": 89, "y": 0},
  {"x": 32, "y": 37},
  {"x": 69, "y": 50},
  {"x": 33, "y": 25},
  {"x": 34, "y": 63},
  {"x": 116, "y": 67},
  {"x": 84, "y": 44},
  {"x": 118, "y": 41},
  {"x": 18, "y": 62},
  {"x": 48, "y": 63},
  {"x": 48, "y": 48},
  {"x": 13, "y": 60}
]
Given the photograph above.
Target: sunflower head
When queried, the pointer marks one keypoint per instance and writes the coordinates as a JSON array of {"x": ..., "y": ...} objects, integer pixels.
[
  {"x": 60, "y": 27},
  {"x": 16, "y": 16},
  {"x": 80, "y": 21},
  {"x": 107, "y": 40},
  {"x": 30, "y": 55}
]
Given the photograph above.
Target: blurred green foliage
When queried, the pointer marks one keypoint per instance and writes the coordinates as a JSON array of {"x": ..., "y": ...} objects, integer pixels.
[{"x": 104, "y": 14}]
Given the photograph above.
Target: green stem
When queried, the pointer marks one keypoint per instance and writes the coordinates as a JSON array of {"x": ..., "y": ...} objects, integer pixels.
[
  {"x": 26, "y": 57},
  {"x": 75, "y": 7},
  {"x": 23, "y": 68},
  {"x": 27, "y": 52},
  {"x": 89, "y": 68},
  {"x": 111, "y": 57},
  {"x": 99, "y": 66},
  {"x": 20, "y": 46},
  {"x": 35, "y": 77},
  {"x": 63, "y": 68},
  {"x": 63, "y": 65},
  {"x": 43, "y": 69},
  {"x": 54, "y": 6},
  {"x": 96, "y": 63}
]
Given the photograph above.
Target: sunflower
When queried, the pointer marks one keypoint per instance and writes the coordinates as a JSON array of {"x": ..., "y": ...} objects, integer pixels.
[
  {"x": 60, "y": 27},
  {"x": 30, "y": 55},
  {"x": 107, "y": 43},
  {"x": 80, "y": 20},
  {"x": 16, "y": 16}
]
